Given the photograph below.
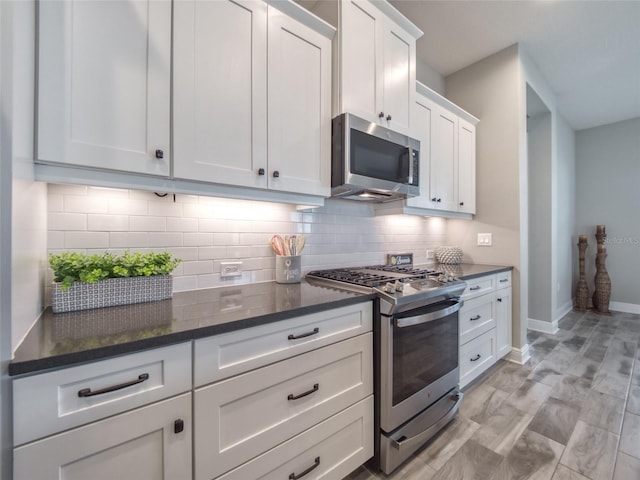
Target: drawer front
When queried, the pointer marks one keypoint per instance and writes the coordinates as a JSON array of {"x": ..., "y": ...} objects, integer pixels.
[
  {"x": 241, "y": 417},
  {"x": 477, "y": 316},
  {"x": 503, "y": 279},
  {"x": 141, "y": 444},
  {"x": 71, "y": 397},
  {"x": 476, "y": 356},
  {"x": 479, "y": 286},
  {"x": 334, "y": 448},
  {"x": 237, "y": 352}
]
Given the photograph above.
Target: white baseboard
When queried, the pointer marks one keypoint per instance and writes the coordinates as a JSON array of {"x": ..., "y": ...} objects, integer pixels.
[
  {"x": 541, "y": 326},
  {"x": 519, "y": 355},
  {"x": 624, "y": 307},
  {"x": 562, "y": 311}
]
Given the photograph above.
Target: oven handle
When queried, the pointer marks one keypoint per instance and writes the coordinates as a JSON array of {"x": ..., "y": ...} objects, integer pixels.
[
  {"x": 422, "y": 436},
  {"x": 428, "y": 317}
]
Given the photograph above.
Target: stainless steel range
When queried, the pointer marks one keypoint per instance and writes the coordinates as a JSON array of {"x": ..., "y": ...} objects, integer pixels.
[{"x": 416, "y": 347}]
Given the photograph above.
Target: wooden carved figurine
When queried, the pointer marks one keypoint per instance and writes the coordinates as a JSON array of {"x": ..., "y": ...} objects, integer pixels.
[
  {"x": 582, "y": 289},
  {"x": 602, "y": 292}
]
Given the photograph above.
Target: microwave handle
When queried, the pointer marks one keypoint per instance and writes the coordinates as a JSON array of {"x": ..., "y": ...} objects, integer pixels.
[{"x": 410, "y": 151}]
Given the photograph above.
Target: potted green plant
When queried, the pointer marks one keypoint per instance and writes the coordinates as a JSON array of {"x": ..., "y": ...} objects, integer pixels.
[{"x": 84, "y": 281}]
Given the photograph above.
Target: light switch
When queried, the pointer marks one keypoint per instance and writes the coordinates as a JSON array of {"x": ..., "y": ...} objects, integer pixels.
[{"x": 485, "y": 240}]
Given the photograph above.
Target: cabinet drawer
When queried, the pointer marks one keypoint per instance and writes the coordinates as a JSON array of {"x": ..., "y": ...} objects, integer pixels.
[
  {"x": 479, "y": 286},
  {"x": 141, "y": 444},
  {"x": 338, "y": 446},
  {"x": 241, "y": 417},
  {"x": 476, "y": 356},
  {"x": 503, "y": 280},
  {"x": 52, "y": 402},
  {"x": 237, "y": 352},
  {"x": 477, "y": 316}
]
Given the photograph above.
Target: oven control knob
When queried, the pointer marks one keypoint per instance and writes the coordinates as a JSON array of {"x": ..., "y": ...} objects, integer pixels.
[
  {"x": 390, "y": 288},
  {"x": 399, "y": 286}
]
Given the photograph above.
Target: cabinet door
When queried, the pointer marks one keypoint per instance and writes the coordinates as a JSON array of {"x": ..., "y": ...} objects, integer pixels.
[
  {"x": 103, "y": 88},
  {"x": 299, "y": 98},
  {"x": 444, "y": 161},
  {"x": 424, "y": 113},
  {"x": 361, "y": 30},
  {"x": 144, "y": 444},
  {"x": 466, "y": 167},
  {"x": 220, "y": 91},
  {"x": 503, "y": 321},
  {"x": 399, "y": 77}
]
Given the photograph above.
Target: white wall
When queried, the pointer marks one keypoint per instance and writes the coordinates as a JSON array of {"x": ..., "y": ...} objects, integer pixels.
[
  {"x": 490, "y": 90},
  {"x": 540, "y": 205},
  {"x": 565, "y": 250},
  {"x": 607, "y": 185},
  {"x": 204, "y": 231}
]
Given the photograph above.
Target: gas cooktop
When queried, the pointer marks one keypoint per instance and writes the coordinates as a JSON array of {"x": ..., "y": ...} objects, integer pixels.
[{"x": 399, "y": 287}]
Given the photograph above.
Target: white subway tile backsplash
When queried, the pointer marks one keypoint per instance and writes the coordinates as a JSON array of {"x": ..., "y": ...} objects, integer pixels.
[
  {"x": 85, "y": 204},
  {"x": 161, "y": 239},
  {"x": 203, "y": 231},
  {"x": 128, "y": 240},
  {"x": 198, "y": 267},
  {"x": 67, "y": 221},
  {"x": 176, "y": 224},
  {"x": 108, "y": 223},
  {"x": 147, "y": 224},
  {"x": 77, "y": 240}
]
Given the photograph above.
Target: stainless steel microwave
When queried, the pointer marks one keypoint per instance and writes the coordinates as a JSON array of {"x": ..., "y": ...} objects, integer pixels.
[{"x": 372, "y": 163}]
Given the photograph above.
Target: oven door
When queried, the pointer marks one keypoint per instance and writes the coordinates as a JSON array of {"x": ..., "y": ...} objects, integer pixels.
[{"x": 419, "y": 360}]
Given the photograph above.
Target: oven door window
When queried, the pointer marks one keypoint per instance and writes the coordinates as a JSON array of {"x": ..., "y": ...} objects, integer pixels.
[
  {"x": 422, "y": 353},
  {"x": 377, "y": 158}
]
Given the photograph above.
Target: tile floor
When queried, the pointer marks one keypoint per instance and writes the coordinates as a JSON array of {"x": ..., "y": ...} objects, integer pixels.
[{"x": 571, "y": 413}]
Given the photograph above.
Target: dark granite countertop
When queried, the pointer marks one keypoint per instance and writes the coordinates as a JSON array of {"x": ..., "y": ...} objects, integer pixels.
[
  {"x": 65, "y": 339},
  {"x": 467, "y": 271}
]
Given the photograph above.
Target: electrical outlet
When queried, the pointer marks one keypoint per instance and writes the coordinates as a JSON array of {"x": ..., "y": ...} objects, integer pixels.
[
  {"x": 230, "y": 269},
  {"x": 431, "y": 255},
  {"x": 485, "y": 240}
]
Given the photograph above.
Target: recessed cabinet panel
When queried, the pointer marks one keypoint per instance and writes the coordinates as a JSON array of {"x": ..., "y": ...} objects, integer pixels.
[
  {"x": 139, "y": 445},
  {"x": 423, "y": 118},
  {"x": 104, "y": 79},
  {"x": 503, "y": 320},
  {"x": 299, "y": 99},
  {"x": 220, "y": 86},
  {"x": 361, "y": 68},
  {"x": 466, "y": 167},
  {"x": 443, "y": 165},
  {"x": 398, "y": 81}
]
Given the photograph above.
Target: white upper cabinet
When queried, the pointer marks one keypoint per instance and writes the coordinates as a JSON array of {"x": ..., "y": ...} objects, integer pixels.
[
  {"x": 466, "y": 166},
  {"x": 104, "y": 84},
  {"x": 374, "y": 62},
  {"x": 220, "y": 91},
  {"x": 252, "y": 96},
  {"x": 447, "y": 137},
  {"x": 299, "y": 98}
]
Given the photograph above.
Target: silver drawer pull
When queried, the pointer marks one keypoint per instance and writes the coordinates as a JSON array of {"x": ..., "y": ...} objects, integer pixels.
[
  {"x": 315, "y": 388},
  {"x": 316, "y": 463},
  {"x": 476, "y": 358},
  {"x": 86, "y": 392},
  {"x": 477, "y": 287},
  {"x": 477, "y": 317}
]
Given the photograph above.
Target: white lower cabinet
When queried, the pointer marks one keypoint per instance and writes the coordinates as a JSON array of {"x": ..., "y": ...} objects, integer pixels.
[
  {"x": 244, "y": 416},
  {"x": 484, "y": 324},
  {"x": 328, "y": 450},
  {"x": 149, "y": 443}
]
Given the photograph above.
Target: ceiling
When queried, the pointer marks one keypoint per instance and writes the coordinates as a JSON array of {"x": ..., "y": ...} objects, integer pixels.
[{"x": 588, "y": 50}]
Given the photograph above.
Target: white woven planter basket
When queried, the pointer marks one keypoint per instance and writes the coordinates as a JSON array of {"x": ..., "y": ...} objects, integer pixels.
[
  {"x": 111, "y": 292},
  {"x": 449, "y": 255}
]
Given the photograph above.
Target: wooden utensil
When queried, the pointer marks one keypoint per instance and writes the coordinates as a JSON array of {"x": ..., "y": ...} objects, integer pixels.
[{"x": 278, "y": 245}]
